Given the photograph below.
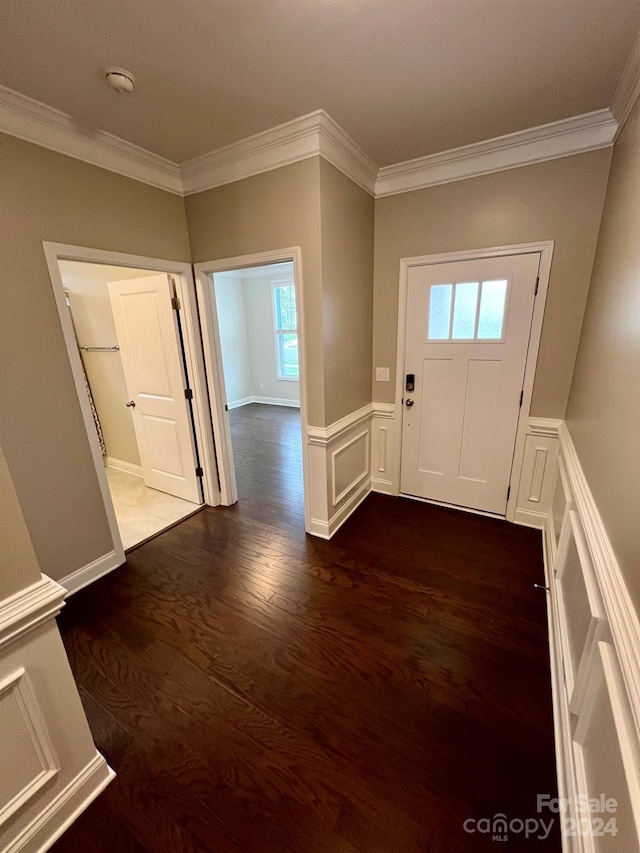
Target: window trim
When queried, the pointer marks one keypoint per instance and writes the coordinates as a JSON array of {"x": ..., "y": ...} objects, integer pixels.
[{"x": 275, "y": 283}]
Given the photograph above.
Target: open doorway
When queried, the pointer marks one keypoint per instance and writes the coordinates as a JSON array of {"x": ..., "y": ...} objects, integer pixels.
[
  {"x": 125, "y": 364},
  {"x": 251, "y": 313},
  {"x": 257, "y": 322},
  {"x": 131, "y": 330}
]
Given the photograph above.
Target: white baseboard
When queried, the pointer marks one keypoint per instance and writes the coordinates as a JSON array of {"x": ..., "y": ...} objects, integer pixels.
[
  {"x": 276, "y": 401},
  {"x": 121, "y": 465},
  {"x": 326, "y": 529},
  {"x": 61, "y": 812},
  {"x": 528, "y": 518},
  {"x": 243, "y": 401},
  {"x": 267, "y": 401},
  {"x": 383, "y": 487},
  {"x": 91, "y": 572}
]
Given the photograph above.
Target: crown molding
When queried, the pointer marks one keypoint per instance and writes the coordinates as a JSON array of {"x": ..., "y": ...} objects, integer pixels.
[
  {"x": 50, "y": 128},
  {"x": 574, "y": 135},
  {"x": 312, "y": 135},
  {"x": 628, "y": 88}
]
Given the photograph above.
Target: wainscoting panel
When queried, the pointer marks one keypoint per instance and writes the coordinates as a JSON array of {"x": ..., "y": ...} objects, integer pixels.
[
  {"x": 49, "y": 767},
  {"x": 538, "y": 474},
  {"x": 594, "y": 639},
  {"x": 383, "y": 445},
  {"x": 339, "y": 470}
]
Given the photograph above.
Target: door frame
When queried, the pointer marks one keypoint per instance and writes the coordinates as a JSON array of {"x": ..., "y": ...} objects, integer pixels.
[
  {"x": 213, "y": 361},
  {"x": 185, "y": 289},
  {"x": 545, "y": 249}
]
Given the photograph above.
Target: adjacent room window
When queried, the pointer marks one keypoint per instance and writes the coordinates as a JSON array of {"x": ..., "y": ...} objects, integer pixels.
[
  {"x": 286, "y": 329},
  {"x": 467, "y": 311}
]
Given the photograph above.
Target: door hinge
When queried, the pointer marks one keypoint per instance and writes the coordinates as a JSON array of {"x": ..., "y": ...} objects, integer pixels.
[
  {"x": 188, "y": 394},
  {"x": 199, "y": 472},
  {"x": 537, "y": 284},
  {"x": 521, "y": 397},
  {"x": 508, "y": 493},
  {"x": 175, "y": 303},
  {"x": 226, "y": 408}
]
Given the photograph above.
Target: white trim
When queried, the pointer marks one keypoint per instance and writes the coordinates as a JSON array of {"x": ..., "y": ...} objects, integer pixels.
[
  {"x": 17, "y": 684},
  {"x": 243, "y": 401},
  {"x": 121, "y": 465},
  {"x": 312, "y": 135},
  {"x": 621, "y": 614},
  {"x": 326, "y": 529},
  {"x": 316, "y": 135},
  {"x": 545, "y": 249},
  {"x": 325, "y": 435},
  {"x": 276, "y": 401},
  {"x": 36, "y": 122},
  {"x": 628, "y": 87},
  {"x": 29, "y": 608},
  {"x": 214, "y": 366},
  {"x": 360, "y": 479},
  {"x": 62, "y": 811},
  {"x": 575, "y": 135},
  {"x": 267, "y": 401},
  {"x": 612, "y": 644},
  {"x": 91, "y": 572},
  {"x": 183, "y": 276}
]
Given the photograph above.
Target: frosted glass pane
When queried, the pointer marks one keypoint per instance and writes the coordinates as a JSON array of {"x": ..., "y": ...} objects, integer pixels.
[
  {"x": 464, "y": 312},
  {"x": 491, "y": 316},
  {"x": 439, "y": 312}
]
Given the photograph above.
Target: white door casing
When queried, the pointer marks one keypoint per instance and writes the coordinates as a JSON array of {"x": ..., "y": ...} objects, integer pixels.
[
  {"x": 148, "y": 336},
  {"x": 458, "y": 436}
]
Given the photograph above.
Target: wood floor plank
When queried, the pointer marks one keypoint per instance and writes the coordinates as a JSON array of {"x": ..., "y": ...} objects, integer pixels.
[{"x": 260, "y": 690}]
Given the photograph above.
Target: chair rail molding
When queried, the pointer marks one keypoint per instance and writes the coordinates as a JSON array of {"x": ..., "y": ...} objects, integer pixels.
[{"x": 339, "y": 470}]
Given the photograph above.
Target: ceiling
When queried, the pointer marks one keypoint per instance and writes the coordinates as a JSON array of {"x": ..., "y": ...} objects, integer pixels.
[{"x": 404, "y": 78}]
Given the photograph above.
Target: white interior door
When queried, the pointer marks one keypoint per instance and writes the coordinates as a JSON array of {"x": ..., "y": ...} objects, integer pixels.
[
  {"x": 468, "y": 326},
  {"x": 148, "y": 336}
]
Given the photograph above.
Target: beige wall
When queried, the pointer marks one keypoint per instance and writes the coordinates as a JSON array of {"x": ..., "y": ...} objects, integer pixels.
[
  {"x": 47, "y": 196},
  {"x": 558, "y": 200},
  {"x": 347, "y": 219},
  {"x": 603, "y": 414},
  {"x": 275, "y": 210},
  {"x": 17, "y": 559}
]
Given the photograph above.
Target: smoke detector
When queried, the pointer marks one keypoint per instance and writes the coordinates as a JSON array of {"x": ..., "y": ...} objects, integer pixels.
[{"x": 119, "y": 79}]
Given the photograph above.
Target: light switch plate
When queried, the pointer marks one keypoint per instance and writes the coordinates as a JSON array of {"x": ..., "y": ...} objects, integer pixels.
[{"x": 382, "y": 374}]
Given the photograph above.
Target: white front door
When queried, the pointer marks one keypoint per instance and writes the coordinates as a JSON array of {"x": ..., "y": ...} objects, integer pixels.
[
  {"x": 149, "y": 340},
  {"x": 468, "y": 326}
]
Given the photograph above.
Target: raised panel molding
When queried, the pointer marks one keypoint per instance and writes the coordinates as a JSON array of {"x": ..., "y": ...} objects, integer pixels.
[
  {"x": 595, "y": 676},
  {"x": 49, "y": 768},
  {"x": 538, "y": 472},
  {"x": 313, "y": 135},
  {"x": 339, "y": 470},
  {"x": 383, "y": 444},
  {"x": 28, "y": 760}
]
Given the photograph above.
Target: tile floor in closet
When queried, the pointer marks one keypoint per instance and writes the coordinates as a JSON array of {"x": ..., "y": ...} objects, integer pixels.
[{"x": 142, "y": 512}]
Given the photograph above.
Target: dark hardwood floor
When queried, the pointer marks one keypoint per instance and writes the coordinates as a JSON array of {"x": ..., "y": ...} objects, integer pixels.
[{"x": 257, "y": 689}]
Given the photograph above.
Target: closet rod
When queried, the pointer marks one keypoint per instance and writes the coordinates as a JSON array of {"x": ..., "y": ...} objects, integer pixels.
[{"x": 101, "y": 349}]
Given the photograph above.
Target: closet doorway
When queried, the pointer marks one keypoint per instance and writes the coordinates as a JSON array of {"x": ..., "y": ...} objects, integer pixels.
[{"x": 131, "y": 332}]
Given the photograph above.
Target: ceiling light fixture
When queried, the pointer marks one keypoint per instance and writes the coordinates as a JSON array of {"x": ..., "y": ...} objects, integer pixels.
[{"x": 119, "y": 79}]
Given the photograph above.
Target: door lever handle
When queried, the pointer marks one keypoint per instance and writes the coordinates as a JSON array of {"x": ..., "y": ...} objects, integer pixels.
[
  {"x": 131, "y": 404},
  {"x": 408, "y": 402}
]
